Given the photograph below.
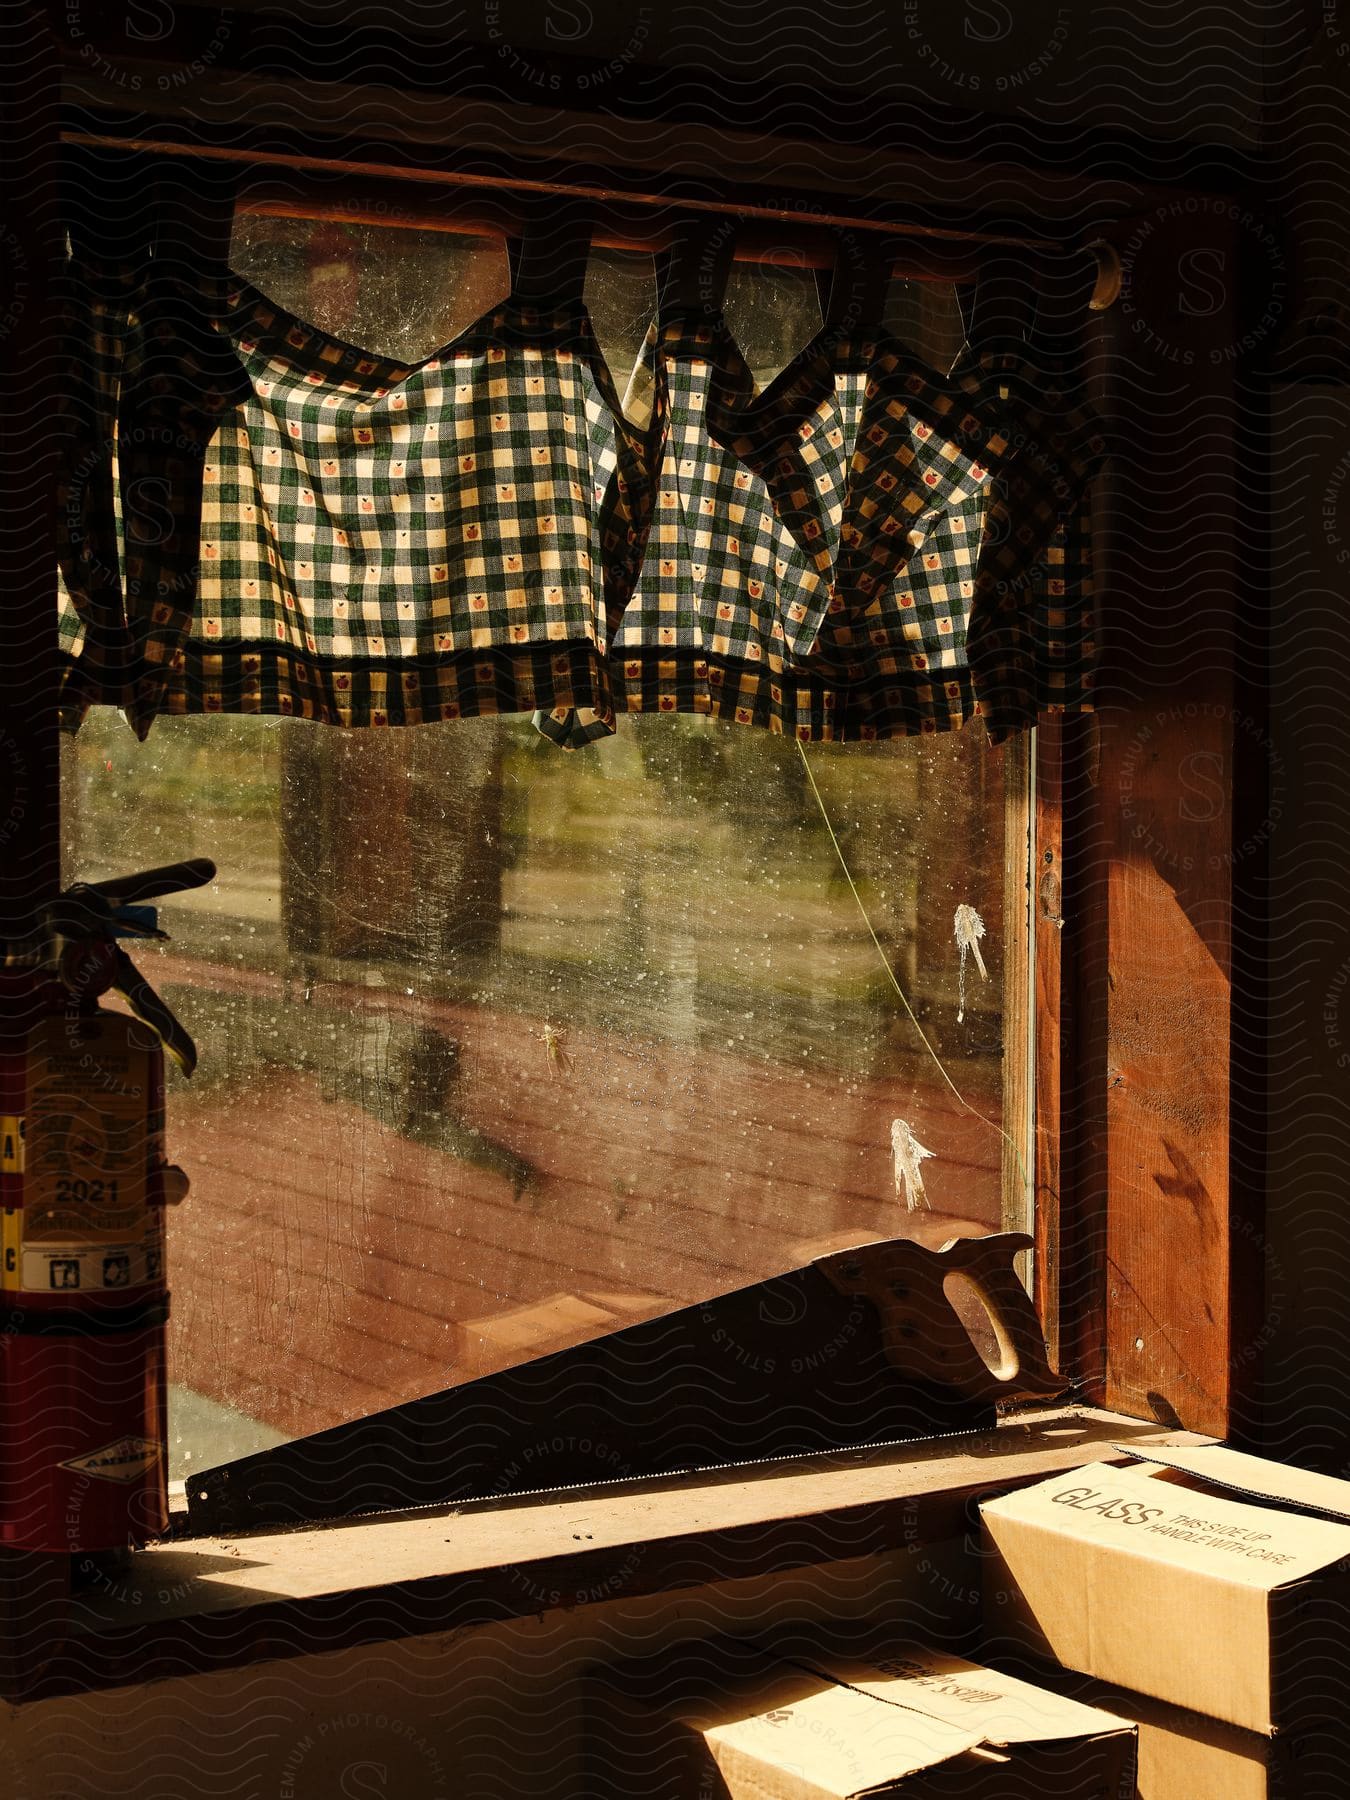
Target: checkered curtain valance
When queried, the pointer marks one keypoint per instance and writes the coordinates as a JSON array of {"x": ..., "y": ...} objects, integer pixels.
[{"x": 258, "y": 518}]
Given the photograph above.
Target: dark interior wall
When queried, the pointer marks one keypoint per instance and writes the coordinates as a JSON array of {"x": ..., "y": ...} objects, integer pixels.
[
  {"x": 1303, "y": 1332},
  {"x": 1291, "y": 740},
  {"x": 984, "y": 77},
  {"x": 1154, "y": 70}
]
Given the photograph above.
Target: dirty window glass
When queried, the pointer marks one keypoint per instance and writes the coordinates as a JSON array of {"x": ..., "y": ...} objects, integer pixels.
[{"x": 502, "y": 1048}]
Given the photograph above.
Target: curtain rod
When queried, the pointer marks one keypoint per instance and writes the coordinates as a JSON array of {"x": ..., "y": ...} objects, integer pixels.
[
  {"x": 271, "y": 159},
  {"x": 808, "y": 250}
]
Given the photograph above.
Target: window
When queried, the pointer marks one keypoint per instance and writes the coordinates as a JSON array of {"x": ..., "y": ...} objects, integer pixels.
[{"x": 503, "y": 1048}]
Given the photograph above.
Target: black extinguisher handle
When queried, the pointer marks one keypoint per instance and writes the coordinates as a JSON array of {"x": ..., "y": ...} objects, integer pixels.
[
  {"x": 146, "y": 1004},
  {"x": 173, "y": 878}
]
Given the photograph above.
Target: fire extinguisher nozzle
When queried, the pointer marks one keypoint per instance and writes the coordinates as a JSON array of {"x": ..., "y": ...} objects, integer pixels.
[{"x": 172, "y": 878}]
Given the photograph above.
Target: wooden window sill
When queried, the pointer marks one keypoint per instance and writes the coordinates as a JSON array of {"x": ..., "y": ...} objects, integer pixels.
[{"x": 194, "y": 1605}]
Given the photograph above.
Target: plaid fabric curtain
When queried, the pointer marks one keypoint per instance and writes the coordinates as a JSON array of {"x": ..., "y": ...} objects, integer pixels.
[
  {"x": 728, "y": 590},
  {"x": 867, "y": 549}
]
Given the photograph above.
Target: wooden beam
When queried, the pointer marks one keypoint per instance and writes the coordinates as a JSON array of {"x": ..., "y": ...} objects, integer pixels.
[
  {"x": 1153, "y": 915},
  {"x": 209, "y": 1603}
]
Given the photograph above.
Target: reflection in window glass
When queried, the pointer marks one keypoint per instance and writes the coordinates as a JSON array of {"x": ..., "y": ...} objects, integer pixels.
[{"x": 501, "y": 1048}]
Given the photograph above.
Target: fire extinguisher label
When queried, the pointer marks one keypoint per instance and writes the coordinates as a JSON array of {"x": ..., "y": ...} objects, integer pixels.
[
  {"x": 126, "y": 1460},
  {"x": 11, "y": 1144},
  {"x": 84, "y": 1268},
  {"x": 85, "y": 1224}
]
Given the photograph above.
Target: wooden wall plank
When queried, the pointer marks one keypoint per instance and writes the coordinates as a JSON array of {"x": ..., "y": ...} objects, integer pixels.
[{"x": 1154, "y": 915}]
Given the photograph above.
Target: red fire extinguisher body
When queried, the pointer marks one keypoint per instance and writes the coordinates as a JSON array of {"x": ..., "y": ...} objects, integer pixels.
[{"x": 83, "y": 1300}]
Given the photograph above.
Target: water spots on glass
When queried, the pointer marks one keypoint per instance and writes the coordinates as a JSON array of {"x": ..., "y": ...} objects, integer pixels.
[
  {"x": 907, "y": 1153},
  {"x": 968, "y": 927}
]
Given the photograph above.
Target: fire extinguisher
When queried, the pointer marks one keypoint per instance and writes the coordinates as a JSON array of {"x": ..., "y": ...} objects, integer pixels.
[{"x": 83, "y": 1187}]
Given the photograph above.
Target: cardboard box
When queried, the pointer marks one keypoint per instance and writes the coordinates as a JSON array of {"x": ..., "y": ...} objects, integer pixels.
[
  {"x": 1150, "y": 1578},
  {"x": 1184, "y": 1756},
  {"x": 727, "y": 1721}
]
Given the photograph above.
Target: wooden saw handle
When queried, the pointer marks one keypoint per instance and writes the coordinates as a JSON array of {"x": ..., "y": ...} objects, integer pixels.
[{"x": 922, "y": 1332}]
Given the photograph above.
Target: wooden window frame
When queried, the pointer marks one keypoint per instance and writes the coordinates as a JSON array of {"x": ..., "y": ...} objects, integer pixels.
[
  {"x": 1149, "y": 1229},
  {"x": 1147, "y": 1275}
]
